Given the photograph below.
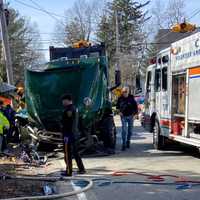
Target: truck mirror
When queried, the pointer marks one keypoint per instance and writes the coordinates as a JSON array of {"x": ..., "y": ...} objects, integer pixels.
[{"x": 117, "y": 77}]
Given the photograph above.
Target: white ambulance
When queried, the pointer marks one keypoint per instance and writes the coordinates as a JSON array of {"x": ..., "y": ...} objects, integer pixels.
[{"x": 172, "y": 94}]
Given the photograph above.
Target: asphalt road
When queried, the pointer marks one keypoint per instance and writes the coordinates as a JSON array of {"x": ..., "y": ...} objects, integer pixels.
[{"x": 180, "y": 163}]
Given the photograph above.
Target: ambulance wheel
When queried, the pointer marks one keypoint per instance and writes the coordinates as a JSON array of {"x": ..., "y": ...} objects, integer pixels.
[{"x": 158, "y": 139}]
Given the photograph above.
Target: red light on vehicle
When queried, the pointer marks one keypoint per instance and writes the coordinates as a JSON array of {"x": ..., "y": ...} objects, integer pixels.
[{"x": 152, "y": 61}]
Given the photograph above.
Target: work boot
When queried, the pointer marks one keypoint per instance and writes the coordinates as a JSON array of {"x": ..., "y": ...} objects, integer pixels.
[{"x": 128, "y": 144}]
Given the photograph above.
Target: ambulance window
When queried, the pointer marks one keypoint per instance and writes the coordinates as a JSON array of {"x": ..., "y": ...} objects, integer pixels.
[
  {"x": 148, "y": 82},
  {"x": 157, "y": 80},
  {"x": 164, "y": 78}
]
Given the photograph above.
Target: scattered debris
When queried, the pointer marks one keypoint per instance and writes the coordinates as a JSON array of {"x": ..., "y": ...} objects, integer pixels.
[{"x": 49, "y": 189}]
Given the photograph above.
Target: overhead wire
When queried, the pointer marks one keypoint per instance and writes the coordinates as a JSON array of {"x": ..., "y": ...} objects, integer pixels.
[
  {"x": 38, "y": 7},
  {"x": 193, "y": 15},
  {"x": 41, "y": 9},
  {"x": 196, "y": 13},
  {"x": 47, "y": 12},
  {"x": 55, "y": 15},
  {"x": 52, "y": 15}
]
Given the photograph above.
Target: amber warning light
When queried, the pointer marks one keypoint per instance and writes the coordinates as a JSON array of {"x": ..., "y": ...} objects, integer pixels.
[{"x": 183, "y": 27}]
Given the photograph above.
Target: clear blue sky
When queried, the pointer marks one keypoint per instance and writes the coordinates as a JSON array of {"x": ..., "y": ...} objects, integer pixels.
[{"x": 46, "y": 23}]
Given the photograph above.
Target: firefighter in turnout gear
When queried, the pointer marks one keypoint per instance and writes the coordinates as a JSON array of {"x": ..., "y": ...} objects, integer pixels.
[{"x": 68, "y": 130}]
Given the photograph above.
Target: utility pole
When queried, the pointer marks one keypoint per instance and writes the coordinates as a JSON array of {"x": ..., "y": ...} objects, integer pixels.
[
  {"x": 6, "y": 47},
  {"x": 117, "y": 33},
  {"x": 117, "y": 67}
]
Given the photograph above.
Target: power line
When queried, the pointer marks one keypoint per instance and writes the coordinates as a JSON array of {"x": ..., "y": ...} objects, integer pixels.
[
  {"x": 52, "y": 14},
  {"x": 196, "y": 13},
  {"x": 188, "y": 19},
  {"x": 39, "y": 8},
  {"x": 193, "y": 15}
]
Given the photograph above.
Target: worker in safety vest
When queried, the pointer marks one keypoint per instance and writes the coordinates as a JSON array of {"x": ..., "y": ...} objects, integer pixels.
[{"x": 4, "y": 124}]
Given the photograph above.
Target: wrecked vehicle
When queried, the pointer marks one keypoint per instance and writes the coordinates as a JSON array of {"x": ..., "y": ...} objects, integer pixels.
[{"x": 83, "y": 72}]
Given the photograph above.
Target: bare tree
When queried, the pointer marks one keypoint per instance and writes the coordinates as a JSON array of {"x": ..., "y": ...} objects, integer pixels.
[
  {"x": 158, "y": 14},
  {"x": 131, "y": 17},
  {"x": 80, "y": 22},
  {"x": 165, "y": 15},
  {"x": 175, "y": 12}
]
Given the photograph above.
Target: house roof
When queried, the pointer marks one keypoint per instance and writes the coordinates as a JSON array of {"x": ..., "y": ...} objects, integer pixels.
[{"x": 165, "y": 37}]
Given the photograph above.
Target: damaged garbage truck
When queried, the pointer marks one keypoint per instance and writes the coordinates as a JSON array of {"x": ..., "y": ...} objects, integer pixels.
[{"x": 82, "y": 71}]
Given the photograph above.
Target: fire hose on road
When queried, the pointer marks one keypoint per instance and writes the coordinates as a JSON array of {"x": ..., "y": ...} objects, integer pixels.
[
  {"x": 85, "y": 184},
  {"x": 54, "y": 196},
  {"x": 179, "y": 182}
]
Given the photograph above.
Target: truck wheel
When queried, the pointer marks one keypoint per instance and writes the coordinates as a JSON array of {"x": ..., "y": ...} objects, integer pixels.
[
  {"x": 158, "y": 139},
  {"x": 109, "y": 133}
]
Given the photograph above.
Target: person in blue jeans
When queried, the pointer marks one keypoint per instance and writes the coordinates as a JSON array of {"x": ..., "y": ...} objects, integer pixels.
[{"x": 127, "y": 107}]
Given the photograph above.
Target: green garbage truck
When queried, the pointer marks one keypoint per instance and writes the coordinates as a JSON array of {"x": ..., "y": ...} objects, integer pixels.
[{"x": 82, "y": 72}]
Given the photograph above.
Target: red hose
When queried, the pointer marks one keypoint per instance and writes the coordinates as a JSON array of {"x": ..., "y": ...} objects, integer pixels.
[{"x": 156, "y": 178}]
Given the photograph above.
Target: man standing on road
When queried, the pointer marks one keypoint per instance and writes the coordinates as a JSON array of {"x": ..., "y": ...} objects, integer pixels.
[
  {"x": 127, "y": 107},
  {"x": 68, "y": 125}
]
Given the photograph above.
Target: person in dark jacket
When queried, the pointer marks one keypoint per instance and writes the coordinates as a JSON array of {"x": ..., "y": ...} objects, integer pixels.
[
  {"x": 68, "y": 130},
  {"x": 127, "y": 107}
]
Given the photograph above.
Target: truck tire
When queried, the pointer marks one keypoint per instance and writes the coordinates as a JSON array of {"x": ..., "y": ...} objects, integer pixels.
[
  {"x": 109, "y": 132},
  {"x": 158, "y": 139}
]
